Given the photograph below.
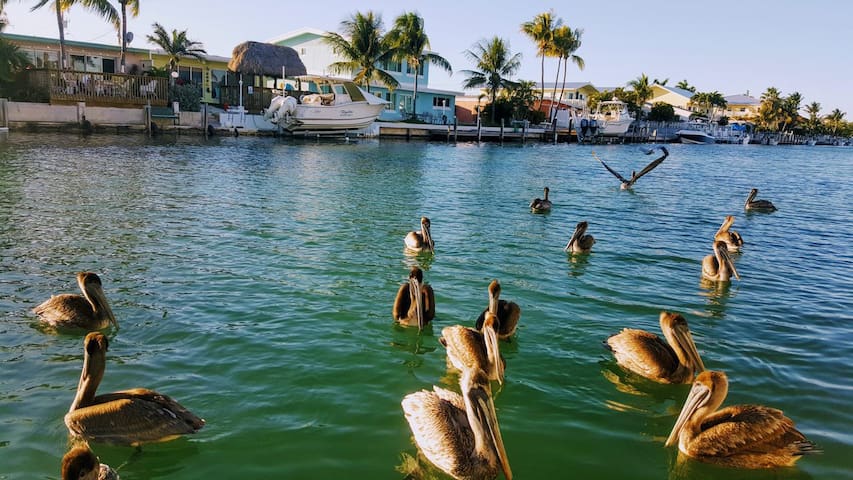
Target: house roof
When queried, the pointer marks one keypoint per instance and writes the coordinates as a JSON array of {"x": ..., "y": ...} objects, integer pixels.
[
  {"x": 678, "y": 91},
  {"x": 742, "y": 100},
  {"x": 296, "y": 33},
  {"x": 53, "y": 41},
  {"x": 569, "y": 85},
  {"x": 265, "y": 59}
]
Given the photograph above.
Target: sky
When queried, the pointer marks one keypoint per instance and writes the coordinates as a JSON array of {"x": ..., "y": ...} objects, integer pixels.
[{"x": 733, "y": 47}]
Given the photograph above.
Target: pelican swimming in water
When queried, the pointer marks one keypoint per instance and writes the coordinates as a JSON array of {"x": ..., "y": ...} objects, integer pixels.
[
  {"x": 469, "y": 349},
  {"x": 645, "y": 354},
  {"x": 539, "y": 205},
  {"x": 81, "y": 464},
  {"x": 742, "y": 436},
  {"x": 459, "y": 433},
  {"x": 719, "y": 267},
  {"x": 420, "y": 241},
  {"x": 628, "y": 183},
  {"x": 731, "y": 238},
  {"x": 415, "y": 302},
  {"x": 758, "y": 205},
  {"x": 507, "y": 313},
  {"x": 127, "y": 417},
  {"x": 90, "y": 310},
  {"x": 580, "y": 243}
]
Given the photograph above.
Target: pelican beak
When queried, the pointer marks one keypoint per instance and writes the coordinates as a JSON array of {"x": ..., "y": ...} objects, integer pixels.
[
  {"x": 428, "y": 238},
  {"x": 577, "y": 233},
  {"x": 415, "y": 293},
  {"x": 685, "y": 339},
  {"x": 493, "y": 350},
  {"x": 697, "y": 397},
  {"x": 724, "y": 253},
  {"x": 485, "y": 411}
]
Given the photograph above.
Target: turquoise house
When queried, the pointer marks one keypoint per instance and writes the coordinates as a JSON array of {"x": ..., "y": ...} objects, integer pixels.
[{"x": 433, "y": 105}]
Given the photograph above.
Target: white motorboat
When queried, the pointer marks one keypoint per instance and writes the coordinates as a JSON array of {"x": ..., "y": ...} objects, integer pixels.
[
  {"x": 695, "y": 137},
  {"x": 612, "y": 118},
  {"x": 333, "y": 104}
]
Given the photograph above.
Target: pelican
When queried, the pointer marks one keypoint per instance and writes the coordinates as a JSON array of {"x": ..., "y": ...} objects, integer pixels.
[
  {"x": 758, "y": 205},
  {"x": 580, "y": 243},
  {"x": 415, "y": 302},
  {"x": 743, "y": 436},
  {"x": 420, "y": 241},
  {"x": 507, "y": 313},
  {"x": 459, "y": 434},
  {"x": 731, "y": 238},
  {"x": 469, "y": 349},
  {"x": 645, "y": 354},
  {"x": 539, "y": 205},
  {"x": 81, "y": 464},
  {"x": 90, "y": 310},
  {"x": 719, "y": 266},
  {"x": 626, "y": 183},
  {"x": 128, "y": 417}
]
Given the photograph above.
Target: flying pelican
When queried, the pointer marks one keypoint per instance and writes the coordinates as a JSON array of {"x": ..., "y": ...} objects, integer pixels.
[
  {"x": 539, "y": 205},
  {"x": 420, "y": 241},
  {"x": 459, "y": 434},
  {"x": 758, "y": 205},
  {"x": 415, "y": 302},
  {"x": 743, "y": 436},
  {"x": 580, "y": 243},
  {"x": 90, "y": 310},
  {"x": 626, "y": 183},
  {"x": 719, "y": 266},
  {"x": 507, "y": 313},
  {"x": 469, "y": 349},
  {"x": 645, "y": 354},
  {"x": 127, "y": 417},
  {"x": 732, "y": 239},
  {"x": 81, "y": 464}
]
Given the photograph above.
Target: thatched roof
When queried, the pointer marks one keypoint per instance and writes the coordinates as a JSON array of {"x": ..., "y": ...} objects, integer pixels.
[{"x": 258, "y": 58}]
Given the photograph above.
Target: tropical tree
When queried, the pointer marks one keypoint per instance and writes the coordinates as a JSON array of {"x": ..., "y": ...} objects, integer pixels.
[
  {"x": 134, "y": 11},
  {"x": 541, "y": 31},
  {"x": 790, "y": 110},
  {"x": 813, "y": 122},
  {"x": 517, "y": 102},
  {"x": 12, "y": 59},
  {"x": 566, "y": 43},
  {"x": 363, "y": 47},
  {"x": 410, "y": 42},
  {"x": 494, "y": 63},
  {"x": 708, "y": 103},
  {"x": 176, "y": 45},
  {"x": 642, "y": 90},
  {"x": 101, "y": 7},
  {"x": 662, "y": 112},
  {"x": 685, "y": 86},
  {"x": 770, "y": 110},
  {"x": 658, "y": 81},
  {"x": 835, "y": 120}
]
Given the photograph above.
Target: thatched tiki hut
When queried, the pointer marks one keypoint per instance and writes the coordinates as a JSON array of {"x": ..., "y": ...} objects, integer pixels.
[{"x": 253, "y": 61}]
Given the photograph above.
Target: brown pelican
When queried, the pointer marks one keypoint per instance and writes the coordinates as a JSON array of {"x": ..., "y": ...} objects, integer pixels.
[
  {"x": 732, "y": 239},
  {"x": 539, "y": 205},
  {"x": 719, "y": 266},
  {"x": 81, "y": 464},
  {"x": 469, "y": 349},
  {"x": 580, "y": 243},
  {"x": 626, "y": 183},
  {"x": 127, "y": 417},
  {"x": 420, "y": 241},
  {"x": 743, "y": 436},
  {"x": 507, "y": 313},
  {"x": 90, "y": 310},
  {"x": 459, "y": 434},
  {"x": 645, "y": 354},
  {"x": 415, "y": 302},
  {"x": 758, "y": 205}
]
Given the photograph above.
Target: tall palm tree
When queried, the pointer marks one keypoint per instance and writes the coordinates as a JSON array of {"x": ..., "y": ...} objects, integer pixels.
[
  {"x": 134, "y": 11},
  {"x": 364, "y": 47},
  {"x": 101, "y": 7},
  {"x": 813, "y": 109},
  {"x": 834, "y": 120},
  {"x": 790, "y": 110},
  {"x": 642, "y": 90},
  {"x": 176, "y": 45},
  {"x": 541, "y": 31},
  {"x": 708, "y": 102},
  {"x": 494, "y": 62},
  {"x": 566, "y": 42},
  {"x": 410, "y": 42},
  {"x": 770, "y": 110}
]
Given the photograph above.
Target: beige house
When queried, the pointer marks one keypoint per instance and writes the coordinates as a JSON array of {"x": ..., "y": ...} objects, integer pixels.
[
  {"x": 679, "y": 98},
  {"x": 742, "y": 107}
]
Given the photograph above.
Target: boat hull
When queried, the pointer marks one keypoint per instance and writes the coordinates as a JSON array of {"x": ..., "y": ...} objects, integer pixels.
[
  {"x": 695, "y": 137},
  {"x": 352, "y": 116}
]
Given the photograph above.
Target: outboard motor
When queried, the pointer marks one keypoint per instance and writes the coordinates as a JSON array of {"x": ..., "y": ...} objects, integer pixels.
[
  {"x": 593, "y": 126},
  {"x": 584, "y": 126}
]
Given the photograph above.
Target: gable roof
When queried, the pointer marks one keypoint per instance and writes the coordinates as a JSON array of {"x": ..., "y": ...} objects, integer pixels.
[
  {"x": 742, "y": 100},
  {"x": 678, "y": 91},
  {"x": 296, "y": 33}
]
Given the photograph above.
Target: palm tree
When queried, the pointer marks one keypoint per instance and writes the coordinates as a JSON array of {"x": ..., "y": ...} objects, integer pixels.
[
  {"x": 364, "y": 49},
  {"x": 134, "y": 11},
  {"x": 410, "y": 42},
  {"x": 566, "y": 43},
  {"x": 660, "y": 82},
  {"x": 685, "y": 86},
  {"x": 708, "y": 102},
  {"x": 101, "y": 7},
  {"x": 770, "y": 110},
  {"x": 642, "y": 90},
  {"x": 541, "y": 31},
  {"x": 494, "y": 62},
  {"x": 176, "y": 45},
  {"x": 834, "y": 120},
  {"x": 813, "y": 109},
  {"x": 12, "y": 59}
]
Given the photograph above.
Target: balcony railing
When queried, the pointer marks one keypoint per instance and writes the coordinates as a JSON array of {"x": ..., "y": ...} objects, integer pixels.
[{"x": 97, "y": 89}]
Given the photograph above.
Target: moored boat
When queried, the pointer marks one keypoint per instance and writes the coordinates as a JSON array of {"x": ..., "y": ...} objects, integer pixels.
[{"x": 695, "y": 137}]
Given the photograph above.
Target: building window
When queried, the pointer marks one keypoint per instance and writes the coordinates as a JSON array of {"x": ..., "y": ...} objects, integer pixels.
[
  {"x": 390, "y": 66},
  {"x": 411, "y": 68},
  {"x": 440, "y": 102}
]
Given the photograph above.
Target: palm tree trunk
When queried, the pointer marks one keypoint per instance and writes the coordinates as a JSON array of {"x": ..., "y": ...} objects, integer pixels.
[
  {"x": 542, "y": 93},
  {"x": 415, "y": 94},
  {"x": 556, "y": 79},
  {"x": 62, "y": 62},
  {"x": 123, "y": 34},
  {"x": 565, "y": 72}
]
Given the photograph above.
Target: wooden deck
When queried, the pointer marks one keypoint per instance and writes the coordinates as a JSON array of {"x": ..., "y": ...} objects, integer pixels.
[{"x": 96, "y": 89}]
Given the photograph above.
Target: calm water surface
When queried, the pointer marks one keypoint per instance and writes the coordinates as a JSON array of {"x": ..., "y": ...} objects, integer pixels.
[{"x": 253, "y": 281}]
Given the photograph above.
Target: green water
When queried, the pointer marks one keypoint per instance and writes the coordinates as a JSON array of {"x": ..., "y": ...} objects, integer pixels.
[{"x": 253, "y": 280}]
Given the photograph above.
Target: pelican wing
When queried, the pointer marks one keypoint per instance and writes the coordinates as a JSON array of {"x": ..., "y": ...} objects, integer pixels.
[
  {"x": 440, "y": 426},
  {"x": 643, "y": 353},
  {"x": 132, "y": 417},
  {"x": 651, "y": 166},
  {"x": 615, "y": 174},
  {"x": 465, "y": 348},
  {"x": 402, "y": 303},
  {"x": 747, "y": 429},
  {"x": 68, "y": 309},
  {"x": 428, "y": 302},
  {"x": 509, "y": 314}
]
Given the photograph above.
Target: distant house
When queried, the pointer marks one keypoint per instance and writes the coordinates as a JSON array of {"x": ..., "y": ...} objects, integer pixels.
[
  {"x": 679, "y": 98},
  {"x": 574, "y": 95},
  {"x": 742, "y": 107},
  {"x": 433, "y": 105}
]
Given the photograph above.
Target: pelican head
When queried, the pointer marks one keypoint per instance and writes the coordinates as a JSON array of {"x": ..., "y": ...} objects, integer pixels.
[
  {"x": 416, "y": 278},
  {"x": 477, "y": 394},
  {"x": 707, "y": 394},
  {"x": 494, "y": 296},
  {"x": 93, "y": 290},
  {"x": 546, "y": 192},
  {"x": 724, "y": 260},
  {"x": 674, "y": 328},
  {"x": 427, "y": 236},
  {"x": 574, "y": 242},
  {"x": 750, "y": 197},
  {"x": 81, "y": 464}
]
